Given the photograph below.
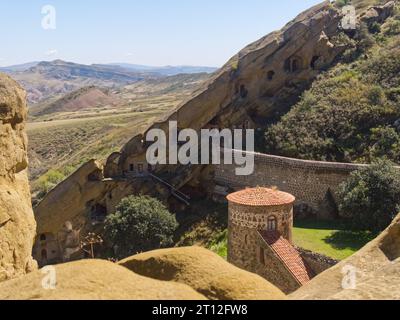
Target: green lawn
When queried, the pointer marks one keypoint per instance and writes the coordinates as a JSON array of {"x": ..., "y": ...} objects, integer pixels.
[{"x": 331, "y": 238}]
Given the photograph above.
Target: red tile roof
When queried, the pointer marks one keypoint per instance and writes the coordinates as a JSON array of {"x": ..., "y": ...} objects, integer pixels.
[
  {"x": 288, "y": 255},
  {"x": 261, "y": 197}
]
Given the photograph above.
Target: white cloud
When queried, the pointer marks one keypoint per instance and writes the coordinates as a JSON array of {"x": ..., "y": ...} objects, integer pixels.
[
  {"x": 51, "y": 52},
  {"x": 129, "y": 54}
]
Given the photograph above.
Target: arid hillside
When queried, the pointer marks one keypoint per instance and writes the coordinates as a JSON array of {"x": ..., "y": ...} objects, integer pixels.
[{"x": 93, "y": 122}]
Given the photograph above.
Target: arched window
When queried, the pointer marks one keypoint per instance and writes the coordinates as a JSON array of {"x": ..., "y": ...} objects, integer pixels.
[
  {"x": 272, "y": 223},
  {"x": 43, "y": 237}
]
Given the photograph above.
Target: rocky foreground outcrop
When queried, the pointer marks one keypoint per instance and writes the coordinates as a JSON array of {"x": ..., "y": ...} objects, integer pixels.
[
  {"x": 93, "y": 280},
  {"x": 187, "y": 273},
  {"x": 376, "y": 271},
  {"x": 17, "y": 224},
  {"x": 205, "y": 272}
]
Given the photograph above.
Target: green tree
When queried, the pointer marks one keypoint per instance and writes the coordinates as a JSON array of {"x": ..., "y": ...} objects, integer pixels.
[
  {"x": 140, "y": 223},
  {"x": 371, "y": 196}
]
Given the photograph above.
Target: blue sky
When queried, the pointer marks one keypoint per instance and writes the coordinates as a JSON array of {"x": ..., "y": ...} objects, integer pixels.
[{"x": 151, "y": 32}]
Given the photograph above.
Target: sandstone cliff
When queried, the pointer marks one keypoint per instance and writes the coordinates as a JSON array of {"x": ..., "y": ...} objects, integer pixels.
[
  {"x": 205, "y": 272},
  {"x": 376, "y": 266},
  {"x": 93, "y": 280},
  {"x": 186, "y": 274},
  {"x": 17, "y": 225}
]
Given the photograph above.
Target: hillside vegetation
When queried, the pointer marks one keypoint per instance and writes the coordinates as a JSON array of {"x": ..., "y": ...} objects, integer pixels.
[{"x": 352, "y": 112}]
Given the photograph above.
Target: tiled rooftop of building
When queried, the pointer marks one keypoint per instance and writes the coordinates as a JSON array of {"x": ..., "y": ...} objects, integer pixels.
[
  {"x": 288, "y": 255},
  {"x": 261, "y": 197}
]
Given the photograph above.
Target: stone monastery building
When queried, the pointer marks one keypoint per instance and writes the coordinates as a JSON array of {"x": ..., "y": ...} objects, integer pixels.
[{"x": 260, "y": 237}]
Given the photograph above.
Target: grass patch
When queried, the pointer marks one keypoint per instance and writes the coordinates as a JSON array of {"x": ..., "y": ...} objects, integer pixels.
[
  {"x": 219, "y": 245},
  {"x": 324, "y": 237},
  {"x": 331, "y": 238}
]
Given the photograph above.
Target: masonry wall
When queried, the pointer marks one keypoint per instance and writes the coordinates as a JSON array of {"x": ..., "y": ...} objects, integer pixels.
[
  {"x": 311, "y": 182},
  {"x": 245, "y": 246}
]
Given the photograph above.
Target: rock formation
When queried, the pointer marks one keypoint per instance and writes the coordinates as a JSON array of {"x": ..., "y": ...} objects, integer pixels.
[
  {"x": 17, "y": 224},
  {"x": 260, "y": 82},
  {"x": 378, "y": 14},
  {"x": 93, "y": 280},
  {"x": 203, "y": 271},
  {"x": 375, "y": 269}
]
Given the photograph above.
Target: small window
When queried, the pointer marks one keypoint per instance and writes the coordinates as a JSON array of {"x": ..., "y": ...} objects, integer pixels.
[
  {"x": 272, "y": 224},
  {"x": 140, "y": 168},
  {"x": 43, "y": 237},
  {"x": 295, "y": 65},
  {"x": 131, "y": 167},
  {"x": 270, "y": 75}
]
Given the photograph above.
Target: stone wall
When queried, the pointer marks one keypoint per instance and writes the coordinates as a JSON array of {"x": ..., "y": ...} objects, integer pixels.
[
  {"x": 311, "y": 182},
  {"x": 318, "y": 263}
]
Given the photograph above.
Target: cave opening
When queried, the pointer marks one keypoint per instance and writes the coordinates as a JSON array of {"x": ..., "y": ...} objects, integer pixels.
[
  {"x": 270, "y": 75},
  {"x": 314, "y": 62}
]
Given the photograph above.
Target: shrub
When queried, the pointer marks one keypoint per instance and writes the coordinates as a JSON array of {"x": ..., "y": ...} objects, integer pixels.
[
  {"x": 371, "y": 196},
  {"x": 392, "y": 28},
  {"x": 342, "y": 3},
  {"x": 48, "y": 181},
  {"x": 140, "y": 223}
]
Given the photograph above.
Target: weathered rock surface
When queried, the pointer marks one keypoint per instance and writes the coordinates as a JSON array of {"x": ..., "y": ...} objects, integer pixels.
[
  {"x": 377, "y": 268},
  {"x": 378, "y": 13},
  {"x": 72, "y": 209},
  {"x": 93, "y": 280},
  {"x": 17, "y": 224},
  {"x": 205, "y": 272}
]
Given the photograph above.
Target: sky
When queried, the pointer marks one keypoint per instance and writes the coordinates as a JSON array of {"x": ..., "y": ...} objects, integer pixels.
[{"x": 147, "y": 32}]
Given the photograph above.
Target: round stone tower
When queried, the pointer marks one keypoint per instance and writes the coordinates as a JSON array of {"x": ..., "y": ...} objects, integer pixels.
[{"x": 251, "y": 213}]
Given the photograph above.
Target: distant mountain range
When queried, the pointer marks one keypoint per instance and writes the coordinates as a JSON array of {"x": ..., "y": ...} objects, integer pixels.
[
  {"x": 52, "y": 79},
  {"x": 19, "y": 67},
  {"x": 166, "y": 70},
  {"x": 163, "y": 70}
]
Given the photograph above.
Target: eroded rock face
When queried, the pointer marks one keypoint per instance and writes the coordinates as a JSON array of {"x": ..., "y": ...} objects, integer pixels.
[
  {"x": 17, "y": 224},
  {"x": 73, "y": 209},
  {"x": 378, "y": 13},
  {"x": 375, "y": 268},
  {"x": 93, "y": 280},
  {"x": 205, "y": 272}
]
